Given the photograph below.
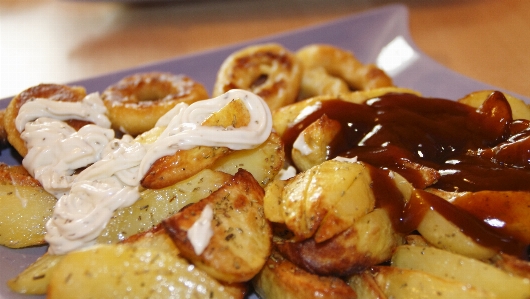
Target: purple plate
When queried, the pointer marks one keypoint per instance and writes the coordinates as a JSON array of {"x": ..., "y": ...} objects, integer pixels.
[{"x": 378, "y": 36}]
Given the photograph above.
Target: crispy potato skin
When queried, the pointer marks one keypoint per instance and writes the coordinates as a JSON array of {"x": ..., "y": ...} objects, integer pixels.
[
  {"x": 169, "y": 170},
  {"x": 326, "y": 199},
  {"x": 242, "y": 237},
  {"x": 520, "y": 110},
  {"x": 156, "y": 205},
  {"x": 158, "y": 238},
  {"x": 369, "y": 241},
  {"x": 280, "y": 278}
]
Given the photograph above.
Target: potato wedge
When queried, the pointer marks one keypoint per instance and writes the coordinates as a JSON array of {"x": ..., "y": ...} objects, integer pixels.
[
  {"x": 172, "y": 169},
  {"x": 280, "y": 278},
  {"x": 123, "y": 271},
  {"x": 327, "y": 199},
  {"x": 520, "y": 110},
  {"x": 155, "y": 205},
  {"x": 312, "y": 145},
  {"x": 234, "y": 114},
  {"x": 272, "y": 201},
  {"x": 34, "y": 279},
  {"x": 365, "y": 286},
  {"x": 263, "y": 162},
  {"x": 369, "y": 241},
  {"x": 445, "y": 235},
  {"x": 508, "y": 207},
  {"x": 399, "y": 283},
  {"x": 512, "y": 265},
  {"x": 26, "y": 207},
  {"x": 157, "y": 238},
  {"x": 242, "y": 237},
  {"x": 447, "y": 265}
]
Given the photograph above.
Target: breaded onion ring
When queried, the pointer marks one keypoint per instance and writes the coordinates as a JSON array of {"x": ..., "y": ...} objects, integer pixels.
[
  {"x": 268, "y": 70},
  {"x": 53, "y": 92},
  {"x": 329, "y": 70},
  {"x": 136, "y": 102}
]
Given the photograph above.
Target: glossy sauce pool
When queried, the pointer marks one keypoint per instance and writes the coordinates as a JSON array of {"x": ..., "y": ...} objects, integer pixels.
[{"x": 460, "y": 148}]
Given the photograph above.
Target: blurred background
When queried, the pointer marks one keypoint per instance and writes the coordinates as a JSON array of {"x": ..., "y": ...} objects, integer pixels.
[{"x": 52, "y": 41}]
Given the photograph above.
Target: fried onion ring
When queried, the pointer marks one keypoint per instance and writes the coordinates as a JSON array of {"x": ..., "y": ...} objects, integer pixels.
[
  {"x": 268, "y": 70},
  {"x": 136, "y": 102},
  {"x": 329, "y": 70},
  {"x": 55, "y": 92}
]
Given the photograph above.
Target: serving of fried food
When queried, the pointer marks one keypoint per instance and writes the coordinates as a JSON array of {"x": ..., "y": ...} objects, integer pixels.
[{"x": 307, "y": 174}]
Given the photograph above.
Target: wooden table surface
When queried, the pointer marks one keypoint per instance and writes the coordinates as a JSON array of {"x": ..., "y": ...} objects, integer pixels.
[{"x": 60, "y": 41}]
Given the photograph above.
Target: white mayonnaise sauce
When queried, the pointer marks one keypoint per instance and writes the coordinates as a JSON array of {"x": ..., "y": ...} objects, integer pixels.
[
  {"x": 201, "y": 231},
  {"x": 87, "y": 200},
  {"x": 184, "y": 130},
  {"x": 301, "y": 145}
]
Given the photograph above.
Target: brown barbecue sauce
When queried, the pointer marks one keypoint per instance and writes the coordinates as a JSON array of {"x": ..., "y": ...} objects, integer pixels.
[{"x": 469, "y": 149}]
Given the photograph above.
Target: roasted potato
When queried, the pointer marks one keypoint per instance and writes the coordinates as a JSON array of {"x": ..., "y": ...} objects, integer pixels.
[
  {"x": 272, "y": 201},
  {"x": 369, "y": 241},
  {"x": 326, "y": 199},
  {"x": 509, "y": 207},
  {"x": 263, "y": 162},
  {"x": 312, "y": 145},
  {"x": 155, "y": 205},
  {"x": 280, "y": 278},
  {"x": 159, "y": 239},
  {"x": 399, "y": 283},
  {"x": 234, "y": 114},
  {"x": 365, "y": 286},
  {"x": 182, "y": 165},
  {"x": 122, "y": 271},
  {"x": 445, "y": 235},
  {"x": 34, "y": 280},
  {"x": 520, "y": 110},
  {"x": 26, "y": 207},
  {"x": 241, "y": 237},
  {"x": 512, "y": 265},
  {"x": 469, "y": 271}
]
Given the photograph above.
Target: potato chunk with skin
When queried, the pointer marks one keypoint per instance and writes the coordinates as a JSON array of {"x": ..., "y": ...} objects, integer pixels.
[
  {"x": 365, "y": 286},
  {"x": 157, "y": 238},
  {"x": 311, "y": 146},
  {"x": 520, "y": 110},
  {"x": 410, "y": 284},
  {"x": 369, "y": 241},
  {"x": 242, "y": 237},
  {"x": 327, "y": 199},
  {"x": 169, "y": 170},
  {"x": 234, "y": 114},
  {"x": 263, "y": 162},
  {"x": 34, "y": 280},
  {"x": 156, "y": 205},
  {"x": 26, "y": 207},
  {"x": 447, "y": 265},
  {"x": 280, "y": 278},
  {"x": 445, "y": 235},
  {"x": 122, "y": 271}
]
